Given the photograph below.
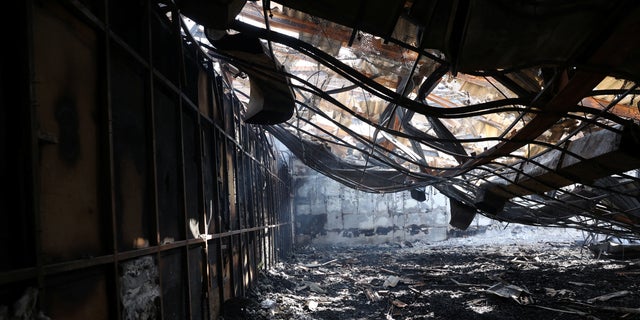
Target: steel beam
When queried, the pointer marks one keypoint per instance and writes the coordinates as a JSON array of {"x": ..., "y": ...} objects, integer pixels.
[
  {"x": 597, "y": 155},
  {"x": 572, "y": 89}
]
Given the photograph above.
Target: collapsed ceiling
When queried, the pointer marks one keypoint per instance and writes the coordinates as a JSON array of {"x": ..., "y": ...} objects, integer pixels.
[{"x": 525, "y": 111}]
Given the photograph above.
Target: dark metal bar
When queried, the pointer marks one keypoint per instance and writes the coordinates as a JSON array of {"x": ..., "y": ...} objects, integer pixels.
[
  {"x": 208, "y": 210},
  {"x": 250, "y": 219},
  {"x": 229, "y": 180},
  {"x": 267, "y": 200},
  {"x": 33, "y": 172},
  {"x": 218, "y": 183},
  {"x": 107, "y": 133},
  {"x": 151, "y": 130},
  {"x": 55, "y": 268},
  {"x": 270, "y": 219},
  {"x": 151, "y": 139},
  {"x": 201, "y": 194},
  {"x": 236, "y": 246},
  {"x": 18, "y": 275},
  {"x": 181, "y": 161},
  {"x": 240, "y": 195},
  {"x": 219, "y": 211},
  {"x": 185, "y": 261}
]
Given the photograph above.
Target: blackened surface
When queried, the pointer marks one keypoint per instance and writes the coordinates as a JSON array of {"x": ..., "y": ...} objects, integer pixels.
[
  {"x": 198, "y": 284},
  {"x": 129, "y": 21},
  {"x": 191, "y": 76},
  {"x": 191, "y": 161},
  {"x": 311, "y": 224},
  {"x": 238, "y": 308},
  {"x": 297, "y": 184},
  {"x": 429, "y": 292},
  {"x": 415, "y": 229},
  {"x": 208, "y": 175},
  {"x": 169, "y": 193},
  {"x": 165, "y": 49},
  {"x": 86, "y": 288},
  {"x": 418, "y": 195},
  {"x": 95, "y": 6},
  {"x": 173, "y": 285},
  {"x": 130, "y": 149},
  {"x": 384, "y": 230},
  {"x": 221, "y": 216},
  {"x": 16, "y": 203},
  {"x": 66, "y": 115}
]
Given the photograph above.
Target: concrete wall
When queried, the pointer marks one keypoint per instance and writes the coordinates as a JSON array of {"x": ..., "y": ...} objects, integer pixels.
[{"x": 326, "y": 212}]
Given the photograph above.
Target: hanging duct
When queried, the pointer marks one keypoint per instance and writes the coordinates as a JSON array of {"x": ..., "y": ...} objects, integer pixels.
[{"x": 271, "y": 99}]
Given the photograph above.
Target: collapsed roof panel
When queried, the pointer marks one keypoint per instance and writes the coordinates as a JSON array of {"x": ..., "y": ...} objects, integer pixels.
[
  {"x": 461, "y": 95},
  {"x": 510, "y": 34},
  {"x": 373, "y": 16}
]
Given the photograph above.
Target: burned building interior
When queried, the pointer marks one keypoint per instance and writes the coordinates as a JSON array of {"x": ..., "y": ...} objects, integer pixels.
[{"x": 231, "y": 159}]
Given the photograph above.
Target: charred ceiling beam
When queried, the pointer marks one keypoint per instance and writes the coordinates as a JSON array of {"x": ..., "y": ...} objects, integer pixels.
[
  {"x": 431, "y": 141},
  {"x": 597, "y": 155},
  {"x": 622, "y": 110},
  {"x": 364, "y": 178},
  {"x": 216, "y": 14},
  {"x": 568, "y": 96},
  {"x": 377, "y": 17},
  {"x": 372, "y": 86},
  {"x": 425, "y": 89},
  {"x": 514, "y": 86},
  {"x": 572, "y": 87}
]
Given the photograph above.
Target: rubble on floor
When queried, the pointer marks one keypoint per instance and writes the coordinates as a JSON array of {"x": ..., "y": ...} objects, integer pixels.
[{"x": 561, "y": 280}]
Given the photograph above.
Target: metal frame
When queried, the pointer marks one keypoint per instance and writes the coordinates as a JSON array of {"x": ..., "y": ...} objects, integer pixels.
[{"x": 249, "y": 161}]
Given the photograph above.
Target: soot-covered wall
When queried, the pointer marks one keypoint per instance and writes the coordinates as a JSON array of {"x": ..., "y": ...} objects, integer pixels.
[
  {"x": 132, "y": 187},
  {"x": 329, "y": 213}
]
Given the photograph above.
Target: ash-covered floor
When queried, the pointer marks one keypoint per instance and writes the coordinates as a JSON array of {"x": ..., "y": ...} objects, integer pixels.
[{"x": 515, "y": 273}]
